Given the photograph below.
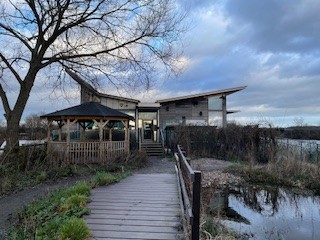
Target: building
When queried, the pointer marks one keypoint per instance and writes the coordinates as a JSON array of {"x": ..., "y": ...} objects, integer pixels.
[{"x": 209, "y": 108}]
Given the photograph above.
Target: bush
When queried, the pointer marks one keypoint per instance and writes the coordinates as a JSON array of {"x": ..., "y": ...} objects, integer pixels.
[
  {"x": 245, "y": 143},
  {"x": 74, "y": 204},
  {"x": 81, "y": 188},
  {"x": 103, "y": 178}
]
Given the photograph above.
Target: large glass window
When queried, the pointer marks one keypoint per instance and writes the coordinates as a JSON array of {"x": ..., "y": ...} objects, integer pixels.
[
  {"x": 215, "y": 103},
  {"x": 148, "y": 115},
  {"x": 215, "y": 118}
]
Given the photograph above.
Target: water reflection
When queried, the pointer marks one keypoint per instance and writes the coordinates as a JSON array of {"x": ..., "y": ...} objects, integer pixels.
[{"x": 268, "y": 213}]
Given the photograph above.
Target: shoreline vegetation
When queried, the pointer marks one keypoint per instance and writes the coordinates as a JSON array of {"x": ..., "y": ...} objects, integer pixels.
[
  {"x": 299, "y": 178},
  {"x": 288, "y": 174},
  {"x": 257, "y": 157}
]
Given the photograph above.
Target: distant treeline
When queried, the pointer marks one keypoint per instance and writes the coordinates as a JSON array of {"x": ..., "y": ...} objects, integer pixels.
[{"x": 301, "y": 132}]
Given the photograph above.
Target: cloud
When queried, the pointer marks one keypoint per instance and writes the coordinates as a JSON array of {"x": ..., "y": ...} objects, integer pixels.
[
  {"x": 277, "y": 26},
  {"x": 269, "y": 45}
]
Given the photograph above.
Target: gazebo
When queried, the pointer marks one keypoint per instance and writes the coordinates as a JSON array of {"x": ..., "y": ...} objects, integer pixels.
[{"x": 82, "y": 119}]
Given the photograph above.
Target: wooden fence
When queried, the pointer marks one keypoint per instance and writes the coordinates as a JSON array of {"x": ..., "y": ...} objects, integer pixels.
[
  {"x": 190, "y": 190},
  {"x": 87, "y": 152}
]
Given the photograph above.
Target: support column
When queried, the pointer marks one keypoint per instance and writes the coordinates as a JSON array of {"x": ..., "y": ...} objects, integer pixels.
[
  {"x": 69, "y": 123},
  {"x": 68, "y": 140},
  {"x": 102, "y": 147},
  {"x": 60, "y": 125},
  {"x": 224, "y": 111},
  {"x": 49, "y": 137},
  {"x": 126, "y": 136}
]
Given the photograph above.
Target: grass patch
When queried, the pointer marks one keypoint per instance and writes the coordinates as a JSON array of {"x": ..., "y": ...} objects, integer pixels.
[
  {"x": 214, "y": 230},
  {"x": 74, "y": 229},
  {"x": 58, "y": 215},
  {"x": 105, "y": 178},
  {"x": 16, "y": 181}
]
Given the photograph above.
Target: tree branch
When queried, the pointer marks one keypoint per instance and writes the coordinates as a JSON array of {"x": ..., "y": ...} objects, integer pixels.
[
  {"x": 57, "y": 58},
  {"x": 16, "y": 35},
  {"x": 5, "y": 101},
  {"x": 17, "y": 76}
]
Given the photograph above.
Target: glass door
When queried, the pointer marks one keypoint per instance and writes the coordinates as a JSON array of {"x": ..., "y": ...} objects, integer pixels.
[{"x": 147, "y": 129}]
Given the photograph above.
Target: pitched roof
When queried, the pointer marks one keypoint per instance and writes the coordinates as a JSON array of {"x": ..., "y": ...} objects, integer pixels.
[
  {"x": 88, "y": 110},
  {"x": 85, "y": 84},
  {"x": 206, "y": 94}
]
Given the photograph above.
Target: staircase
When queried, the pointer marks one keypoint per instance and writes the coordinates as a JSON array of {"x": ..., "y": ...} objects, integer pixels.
[{"x": 152, "y": 148}]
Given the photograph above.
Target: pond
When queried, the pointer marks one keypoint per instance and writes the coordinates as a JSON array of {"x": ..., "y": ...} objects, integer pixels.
[{"x": 268, "y": 213}]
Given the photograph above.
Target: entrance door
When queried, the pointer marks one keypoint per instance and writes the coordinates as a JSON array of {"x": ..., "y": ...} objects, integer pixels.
[{"x": 147, "y": 129}]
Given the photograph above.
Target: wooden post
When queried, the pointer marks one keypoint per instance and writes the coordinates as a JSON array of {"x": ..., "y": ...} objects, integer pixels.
[
  {"x": 110, "y": 134},
  {"x": 101, "y": 150},
  {"x": 196, "y": 206},
  {"x": 68, "y": 140},
  {"x": 60, "y": 125},
  {"x": 49, "y": 137},
  {"x": 126, "y": 135}
]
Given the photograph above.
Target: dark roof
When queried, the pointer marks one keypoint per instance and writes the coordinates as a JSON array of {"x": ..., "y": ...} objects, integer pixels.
[
  {"x": 206, "y": 94},
  {"x": 85, "y": 84},
  {"x": 89, "y": 110}
]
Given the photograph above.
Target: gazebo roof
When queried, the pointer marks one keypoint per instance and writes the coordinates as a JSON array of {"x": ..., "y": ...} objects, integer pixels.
[{"x": 89, "y": 110}]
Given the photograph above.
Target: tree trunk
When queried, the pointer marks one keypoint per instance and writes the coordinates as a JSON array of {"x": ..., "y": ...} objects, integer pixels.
[
  {"x": 14, "y": 116},
  {"x": 12, "y": 132}
]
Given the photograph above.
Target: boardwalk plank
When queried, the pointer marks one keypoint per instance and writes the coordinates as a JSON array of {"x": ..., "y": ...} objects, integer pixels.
[
  {"x": 135, "y": 235},
  {"x": 117, "y": 212},
  {"x": 143, "y": 206},
  {"x": 118, "y": 228},
  {"x": 135, "y": 217},
  {"x": 131, "y": 222},
  {"x": 143, "y": 209}
]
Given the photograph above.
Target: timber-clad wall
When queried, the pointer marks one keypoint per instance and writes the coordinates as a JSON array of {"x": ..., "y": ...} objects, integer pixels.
[{"x": 189, "y": 108}]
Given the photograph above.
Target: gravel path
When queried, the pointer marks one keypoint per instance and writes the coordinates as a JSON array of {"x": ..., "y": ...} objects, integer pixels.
[{"x": 11, "y": 205}]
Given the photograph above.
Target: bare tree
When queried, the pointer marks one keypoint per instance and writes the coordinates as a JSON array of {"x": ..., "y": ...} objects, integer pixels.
[
  {"x": 35, "y": 126},
  {"x": 122, "y": 40}
]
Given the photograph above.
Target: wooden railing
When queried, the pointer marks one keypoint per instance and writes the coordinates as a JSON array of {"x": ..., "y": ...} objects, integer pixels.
[
  {"x": 87, "y": 152},
  {"x": 190, "y": 190}
]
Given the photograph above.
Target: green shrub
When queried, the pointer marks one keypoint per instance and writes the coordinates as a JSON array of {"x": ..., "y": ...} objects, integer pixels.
[
  {"x": 73, "y": 204},
  {"x": 105, "y": 178},
  {"x": 75, "y": 229},
  {"x": 81, "y": 188},
  {"x": 42, "y": 176}
]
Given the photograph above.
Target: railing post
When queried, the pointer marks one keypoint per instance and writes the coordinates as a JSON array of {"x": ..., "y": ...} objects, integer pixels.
[{"x": 196, "y": 206}]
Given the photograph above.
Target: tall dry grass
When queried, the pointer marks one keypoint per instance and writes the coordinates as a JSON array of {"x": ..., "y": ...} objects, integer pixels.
[{"x": 266, "y": 161}]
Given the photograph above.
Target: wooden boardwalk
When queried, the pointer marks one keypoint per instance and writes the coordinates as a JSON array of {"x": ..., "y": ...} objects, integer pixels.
[{"x": 142, "y": 206}]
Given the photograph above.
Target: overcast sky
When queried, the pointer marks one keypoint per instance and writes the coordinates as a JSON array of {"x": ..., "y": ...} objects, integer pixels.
[{"x": 270, "y": 46}]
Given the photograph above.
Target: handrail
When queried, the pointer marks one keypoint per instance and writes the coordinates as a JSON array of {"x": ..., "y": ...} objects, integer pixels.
[
  {"x": 190, "y": 189},
  {"x": 162, "y": 138},
  {"x": 140, "y": 137}
]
